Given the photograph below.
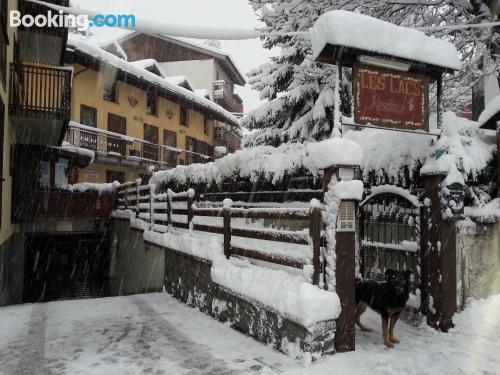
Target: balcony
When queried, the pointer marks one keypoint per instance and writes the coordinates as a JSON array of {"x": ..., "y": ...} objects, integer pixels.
[
  {"x": 42, "y": 44},
  {"x": 226, "y": 97},
  {"x": 116, "y": 148},
  {"x": 73, "y": 204},
  {"x": 40, "y": 100}
]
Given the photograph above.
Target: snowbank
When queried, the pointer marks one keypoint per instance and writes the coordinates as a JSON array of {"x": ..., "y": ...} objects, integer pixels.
[
  {"x": 68, "y": 147},
  {"x": 99, "y": 188},
  {"x": 269, "y": 162},
  {"x": 343, "y": 28},
  {"x": 489, "y": 212},
  {"x": 286, "y": 293},
  {"x": 446, "y": 165},
  {"x": 391, "y": 189},
  {"x": 348, "y": 190}
]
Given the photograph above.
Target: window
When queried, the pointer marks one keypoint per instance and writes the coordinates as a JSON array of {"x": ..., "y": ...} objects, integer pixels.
[
  {"x": 206, "y": 125},
  {"x": 150, "y": 150},
  {"x": 109, "y": 92},
  {"x": 170, "y": 140},
  {"x": 88, "y": 116},
  {"x": 112, "y": 176},
  {"x": 184, "y": 116},
  {"x": 151, "y": 102},
  {"x": 61, "y": 173}
]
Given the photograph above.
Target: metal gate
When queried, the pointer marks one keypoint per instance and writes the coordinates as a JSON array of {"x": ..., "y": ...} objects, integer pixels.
[{"x": 389, "y": 233}]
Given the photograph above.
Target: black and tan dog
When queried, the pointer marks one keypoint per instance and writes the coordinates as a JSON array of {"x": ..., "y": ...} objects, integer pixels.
[{"x": 388, "y": 298}]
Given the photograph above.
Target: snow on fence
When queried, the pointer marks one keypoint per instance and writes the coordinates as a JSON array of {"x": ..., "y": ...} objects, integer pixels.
[{"x": 159, "y": 212}]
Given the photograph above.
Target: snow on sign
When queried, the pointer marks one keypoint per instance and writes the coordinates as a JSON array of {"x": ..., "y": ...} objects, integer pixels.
[{"x": 390, "y": 99}]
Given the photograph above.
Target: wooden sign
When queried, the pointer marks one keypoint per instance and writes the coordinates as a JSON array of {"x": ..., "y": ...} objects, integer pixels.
[{"x": 390, "y": 99}]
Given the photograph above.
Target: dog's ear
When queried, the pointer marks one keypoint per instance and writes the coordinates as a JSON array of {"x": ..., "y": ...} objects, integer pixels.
[{"x": 389, "y": 273}]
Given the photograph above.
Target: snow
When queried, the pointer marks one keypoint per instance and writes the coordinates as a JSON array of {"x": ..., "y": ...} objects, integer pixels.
[
  {"x": 445, "y": 165},
  {"x": 491, "y": 110},
  {"x": 391, "y": 189},
  {"x": 270, "y": 162},
  {"x": 289, "y": 293},
  {"x": 286, "y": 293},
  {"x": 343, "y": 28},
  {"x": 220, "y": 151},
  {"x": 487, "y": 212},
  {"x": 156, "y": 334},
  {"x": 68, "y": 147},
  {"x": 204, "y": 93},
  {"x": 391, "y": 151},
  {"x": 348, "y": 190},
  {"x": 87, "y": 186},
  {"x": 81, "y": 43}
]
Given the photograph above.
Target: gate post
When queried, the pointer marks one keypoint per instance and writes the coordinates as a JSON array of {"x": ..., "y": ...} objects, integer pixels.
[
  {"x": 439, "y": 270},
  {"x": 345, "y": 260}
]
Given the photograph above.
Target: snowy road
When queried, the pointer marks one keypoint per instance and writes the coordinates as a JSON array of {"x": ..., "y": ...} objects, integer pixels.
[{"x": 155, "y": 334}]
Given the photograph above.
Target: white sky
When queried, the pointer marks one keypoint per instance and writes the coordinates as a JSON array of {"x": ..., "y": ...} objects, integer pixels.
[{"x": 216, "y": 13}]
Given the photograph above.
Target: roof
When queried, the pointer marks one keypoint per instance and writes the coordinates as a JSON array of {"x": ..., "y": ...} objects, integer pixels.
[
  {"x": 365, "y": 34},
  {"x": 81, "y": 51},
  {"x": 223, "y": 58},
  {"x": 491, "y": 115}
]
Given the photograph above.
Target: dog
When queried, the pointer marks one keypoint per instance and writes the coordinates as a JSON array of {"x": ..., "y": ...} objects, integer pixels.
[{"x": 388, "y": 298}]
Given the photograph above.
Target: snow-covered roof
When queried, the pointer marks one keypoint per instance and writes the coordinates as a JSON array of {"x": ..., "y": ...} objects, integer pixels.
[
  {"x": 224, "y": 58},
  {"x": 490, "y": 212},
  {"x": 204, "y": 93},
  {"x": 490, "y": 114},
  {"x": 361, "y": 32},
  {"x": 272, "y": 163},
  {"x": 78, "y": 43}
]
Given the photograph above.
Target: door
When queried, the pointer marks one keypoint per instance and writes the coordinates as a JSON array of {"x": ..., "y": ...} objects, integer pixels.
[
  {"x": 88, "y": 117},
  {"x": 170, "y": 140},
  {"x": 150, "y": 150},
  {"x": 117, "y": 124}
]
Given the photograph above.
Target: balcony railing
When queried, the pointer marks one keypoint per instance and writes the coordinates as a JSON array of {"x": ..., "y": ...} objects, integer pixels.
[
  {"x": 111, "y": 144},
  {"x": 40, "y": 92},
  {"x": 226, "y": 97},
  {"x": 33, "y": 9},
  {"x": 74, "y": 204}
]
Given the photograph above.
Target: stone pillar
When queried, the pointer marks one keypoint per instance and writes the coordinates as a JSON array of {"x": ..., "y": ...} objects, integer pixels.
[{"x": 439, "y": 277}]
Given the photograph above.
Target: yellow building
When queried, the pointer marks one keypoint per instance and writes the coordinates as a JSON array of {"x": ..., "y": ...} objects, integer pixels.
[
  {"x": 134, "y": 117},
  {"x": 34, "y": 112}
]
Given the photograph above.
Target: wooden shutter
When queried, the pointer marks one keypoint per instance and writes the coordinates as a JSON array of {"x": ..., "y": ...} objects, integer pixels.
[
  {"x": 170, "y": 139},
  {"x": 150, "y": 151}
]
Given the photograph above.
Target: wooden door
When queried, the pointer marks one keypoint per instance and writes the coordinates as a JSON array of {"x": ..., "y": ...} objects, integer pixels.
[
  {"x": 150, "y": 150},
  {"x": 117, "y": 124}
]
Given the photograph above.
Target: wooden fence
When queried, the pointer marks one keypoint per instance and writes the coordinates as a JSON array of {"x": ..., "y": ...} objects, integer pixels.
[{"x": 161, "y": 211}]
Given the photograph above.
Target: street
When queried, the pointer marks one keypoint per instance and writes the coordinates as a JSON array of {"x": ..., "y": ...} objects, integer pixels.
[{"x": 156, "y": 334}]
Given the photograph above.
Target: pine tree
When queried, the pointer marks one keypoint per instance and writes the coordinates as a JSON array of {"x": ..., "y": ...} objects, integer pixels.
[{"x": 302, "y": 94}]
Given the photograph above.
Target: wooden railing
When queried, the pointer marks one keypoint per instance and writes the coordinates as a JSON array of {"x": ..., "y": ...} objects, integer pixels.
[
  {"x": 226, "y": 97},
  {"x": 41, "y": 92},
  {"x": 74, "y": 204},
  {"x": 158, "y": 211},
  {"x": 114, "y": 144}
]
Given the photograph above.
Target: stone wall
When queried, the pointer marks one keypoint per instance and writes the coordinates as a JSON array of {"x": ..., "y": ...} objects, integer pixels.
[
  {"x": 478, "y": 260},
  {"x": 135, "y": 267},
  {"x": 188, "y": 278},
  {"x": 11, "y": 271}
]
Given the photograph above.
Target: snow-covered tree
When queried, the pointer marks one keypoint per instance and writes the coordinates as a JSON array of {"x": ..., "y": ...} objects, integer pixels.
[{"x": 302, "y": 94}]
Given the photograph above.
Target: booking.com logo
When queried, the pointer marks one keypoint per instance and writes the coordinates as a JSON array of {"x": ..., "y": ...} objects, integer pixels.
[{"x": 80, "y": 22}]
